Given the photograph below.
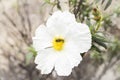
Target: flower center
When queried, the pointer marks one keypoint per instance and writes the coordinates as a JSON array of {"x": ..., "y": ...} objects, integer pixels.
[{"x": 58, "y": 43}]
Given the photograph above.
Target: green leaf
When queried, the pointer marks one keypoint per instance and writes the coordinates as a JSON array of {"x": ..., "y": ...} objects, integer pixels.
[
  {"x": 97, "y": 57},
  {"x": 108, "y": 4},
  {"x": 96, "y": 48},
  {"x": 88, "y": 22},
  {"x": 32, "y": 50},
  {"x": 101, "y": 43},
  {"x": 100, "y": 38},
  {"x": 29, "y": 57},
  {"x": 97, "y": 39},
  {"x": 95, "y": 54}
]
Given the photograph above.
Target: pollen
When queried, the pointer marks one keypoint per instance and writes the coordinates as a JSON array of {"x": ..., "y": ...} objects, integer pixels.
[{"x": 58, "y": 43}]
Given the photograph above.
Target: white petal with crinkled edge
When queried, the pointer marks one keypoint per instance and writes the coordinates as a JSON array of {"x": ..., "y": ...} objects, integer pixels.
[
  {"x": 60, "y": 22},
  {"x": 63, "y": 61},
  {"x": 63, "y": 66},
  {"x": 42, "y": 38},
  {"x": 72, "y": 53},
  {"x": 68, "y": 58},
  {"x": 77, "y": 40},
  {"x": 45, "y": 60},
  {"x": 80, "y": 34}
]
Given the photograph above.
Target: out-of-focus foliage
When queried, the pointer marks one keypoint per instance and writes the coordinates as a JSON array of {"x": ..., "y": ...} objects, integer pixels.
[
  {"x": 108, "y": 4},
  {"x": 114, "y": 49}
]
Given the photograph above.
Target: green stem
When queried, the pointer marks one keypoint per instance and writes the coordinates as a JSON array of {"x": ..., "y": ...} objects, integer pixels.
[{"x": 98, "y": 26}]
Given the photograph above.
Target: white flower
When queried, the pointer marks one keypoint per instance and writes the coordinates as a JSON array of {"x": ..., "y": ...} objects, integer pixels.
[{"x": 60, "y": 43}]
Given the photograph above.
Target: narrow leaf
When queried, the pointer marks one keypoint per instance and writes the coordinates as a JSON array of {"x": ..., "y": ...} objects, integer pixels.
[
  {"x": 100, "y": 38},
  {"x": 32, "y": 50},
  {"x": 29, "y": 56},
  {"x": 101, "y": 44},
  {"x": 108, "y": 4},
  {"x": 99, "y": 41},
  {"x": 96, "y": 48}
]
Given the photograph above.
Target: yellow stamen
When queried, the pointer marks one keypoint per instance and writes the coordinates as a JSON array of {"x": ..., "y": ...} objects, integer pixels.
[{"x": 58, "y": 43}]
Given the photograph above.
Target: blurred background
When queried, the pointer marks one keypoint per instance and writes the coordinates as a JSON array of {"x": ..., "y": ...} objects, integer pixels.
[{"x": 20, "y": 18}]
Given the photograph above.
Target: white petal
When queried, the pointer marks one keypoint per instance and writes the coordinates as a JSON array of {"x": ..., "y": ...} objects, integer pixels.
[
  {"x": 42, "y": 38},
  {"x": 69, "y": 57},
  {"x": 63, "y": 66},
  {"x": 73, "y": 53},
  {"x": 81, "y": 36},
  {"x": 46, "y": 61},
  {"x": 60, "y": 22}
]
